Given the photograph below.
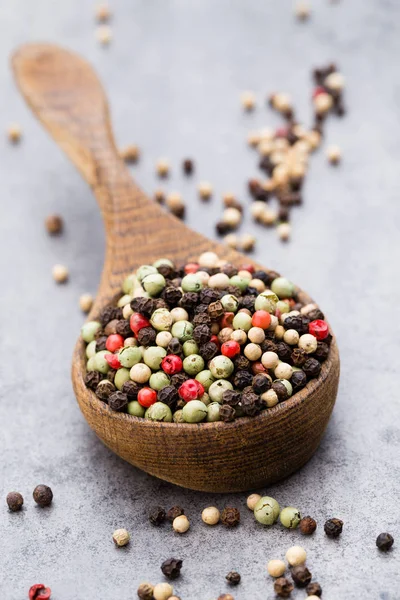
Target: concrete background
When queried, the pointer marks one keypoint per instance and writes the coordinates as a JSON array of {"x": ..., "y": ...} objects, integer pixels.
[{"x": 174, "y": 73}]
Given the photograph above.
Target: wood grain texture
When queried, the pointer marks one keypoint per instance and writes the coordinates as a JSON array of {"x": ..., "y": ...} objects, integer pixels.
[{"x": 65, "y": 94}]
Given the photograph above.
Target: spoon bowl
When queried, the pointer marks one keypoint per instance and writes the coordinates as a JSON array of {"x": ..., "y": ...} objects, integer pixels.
[{"x": 67, "y": 97}]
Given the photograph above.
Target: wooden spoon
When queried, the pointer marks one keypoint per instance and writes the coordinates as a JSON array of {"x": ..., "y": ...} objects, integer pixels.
[{"x": 65, "y": 94}]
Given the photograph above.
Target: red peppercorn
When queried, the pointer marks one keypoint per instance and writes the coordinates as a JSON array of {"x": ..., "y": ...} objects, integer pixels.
[
  {"x": 214, "y": 339},
  {"x": 191, "y": 268},
  {"x": 146, "y": 397},
  {"x": 261, "y": 318},
  {"x": 257, "y": 368},
  {"x": 230, "y": 348},
  {"x": 137, "y": 322},
  {"x": 318, "y": 90},
  {"x": 39, "y": 592},
  {"x": 281, "y": 132},
  {"x": 171, "y": 364},
  {"x": 113, "y": 361},
  {"x": 190, "y": 390},
  {"x": 319, "y": 329},
  {"x": 114, "y": 342},
  {"x": 227, "y": 320},
  {"x": 247, "y": 267}
]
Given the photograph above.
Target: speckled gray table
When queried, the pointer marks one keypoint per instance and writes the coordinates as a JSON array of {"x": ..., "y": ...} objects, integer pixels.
[{"x": 174, "y": 73}]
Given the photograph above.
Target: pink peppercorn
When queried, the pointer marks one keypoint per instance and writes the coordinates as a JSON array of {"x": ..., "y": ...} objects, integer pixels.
[
  {"x": 230, "y": 348},
  {"x": 319, "y": 329},
  {"x": 171, "y": 364},
  {"x": 190, "y": 390},
  {"x": 147, "y": 397},
  {"x": 137, "y": 322},
  {"x": 114, "y": 342},
  {"x": 113, "y": 361},
  {"x": 39, "y": 592},
  {"x": 191, "y": 268}
]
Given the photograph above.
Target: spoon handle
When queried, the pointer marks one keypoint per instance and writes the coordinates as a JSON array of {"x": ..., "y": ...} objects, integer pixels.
[{"x": 65, "y": 94}]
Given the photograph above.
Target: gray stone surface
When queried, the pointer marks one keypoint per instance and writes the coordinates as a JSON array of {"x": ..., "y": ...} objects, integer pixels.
[{"x": 174, "y": 73}]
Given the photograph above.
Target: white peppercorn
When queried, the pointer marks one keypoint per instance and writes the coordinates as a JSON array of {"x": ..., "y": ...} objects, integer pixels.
[
  {"x": 296, "y": 555},
  {"x": 291, "y": 337},
  {"x": 104, "y": 34},
  {"x": 60, "y": 273},
  {"x": 210, "y": 515},
  {"x": 270, "y": 360},
  {"x": 247, "y": 242},
  {"x": 334, "y": 155},
  {"x": 270, "y": 398},
  {"x": 86, "y": 302},
  {"x": 284, "y": 230},
  {"x": 205, "y": 190},
  {"x": 283, "y": 371},
  {"x": 14, "y": 133},
  {"x": 252, "y": 351},
  {"x": 248, "y": 100},
  {"x": 162, "y": 167},
  {"x": 181, "y": 524},
  {"x": 163, "y": 591},
  {"x": 231, "y": 240},
  {"x": 121, "y": 537},
  {"x": 232, "y": 217},
  {"x": 175, "y": 204},
  {"x": 256, "y": 335},
  {"x": 276, "y": 568},
  {"x": 208, "y": 260},
  {"x": 252, "y": 501},
  {"x": 308, "y": 343}
]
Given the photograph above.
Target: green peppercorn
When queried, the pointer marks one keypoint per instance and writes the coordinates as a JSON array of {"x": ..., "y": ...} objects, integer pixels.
[
  {"x": 290, "y": 517},
  {"x": 183, "y": 330},
  {"x": 240, "y": 282},
  {"x": 129, "y": 356},
  {"x": 159, "y": 380},
  {"x": 91, "y": 364},
  {"x": 287, "y": 384},
  {"x": 230, "y": 303},
  {"x": 267, "y": 300},
  {"x": 121, "y": 376},
  {"x": 124, "y": 300},
  {"x": 161, "y": 262},
  {"x": 161, "y": 319},
  {"x": 194, "y": 411},
  {"x": 154, "y": 284},
  {"x": 266, "y": 511},
  {"x": 221, "y": 367},
  {"x": 242, "y": 321},
  {"x": 91, "y": 349},
  {"x": 159, "y": 412},
  {"x": 216, "y": 389},
  {"x": 213, "y": 412},
  {"x": 153, "y": 356},
  {"x": 135, "y": 409},
  {"x": 100, "y": 363},
  {"x": 282, "y": 287},
  {"x": 282, "y": 307},
  {"x": 193, "y": 364},
  {"x": 178, "y": 416},
  {"x": 190, "y": 347},
  {"x": 145, "y": 270},
  {"x": 205, "y": 378},
  {"x": 89, "y": 330},
  {"x": 191, "y": 283}
]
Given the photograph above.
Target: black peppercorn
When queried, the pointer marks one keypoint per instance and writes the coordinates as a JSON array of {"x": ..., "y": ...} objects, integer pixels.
[
  {"x": 215, "y": 310},
  {"x": 298, "y": 380},
  {"x": 175, "y": 511},
  {"x": 14, "y": 501},
  {"x": 189, "y": 300},
  {"x": 118, "y": 401},
  {"x": 222, "y": 227},
  {"x": 171, "y": 568},
  {"x": 101, "y": 343},
  {"x": 202, "y": 334},
  {"x": 233, "y": 578},
  {"x": 227, "y": 413},
  {"x": 179, "y": 378},
  {"x": 283, "y": 587},
  {"x": 384, "y": 541},
  {"x": 242, "y": 379},
  {"x": 92, "y": 379},
  {"x": 298, "y": 322},
  {"x": 256, "y": 190},
  {"x": 111, "y": 375},
  {"x": 299, "y": 357},
  {"x": 263, "y": 276},
  {"x": 231, "y": 397},
  {"x": 42, "y": 495},
  {"x": 316, "y": 314},
  {"x": 107, "y": 315},
  {"x": 284, "y": 352},
  {"x": 174, "y": 347},
  {"x": 307, "y": 525},
  {"x": 333, "y": 528},
  {"x": 144, "y": 306},
  {"x": 160, "y": 303},
  {"x": 145, "y": 591},
  {"x": 131, "y": 389},
  {"x": 157, "y": 515},
  {"x": 209, "y": 295},
  {"x": 200, "y": 309},
  {"x": 280, "y": 390},
  {"x": 241, "y": 363},
  {"x": 168, "y": 395},
  {"x": 268, "y": 346},
  {"x": 247, "y": 302},
  {"x": 172, "y": 295},
  {"x": 312, "y": 368},
  {"x": 208, "y": 351},
  {"x": 251, "y": 404},
  {"x": 188, "y": 166},
  {"x": 166, "y": 271},
  {"x": 105, "y": 389},
  {"x": 146, "y": 336},
  {"x": 123, "y": 328},
  {"x": 229, "y": 270},
  {"x": 322, "y": 351},
  {"x": 261, "y": 384},
  {"x": 251, "y": 291},
  {"x": 314, "y": 589},
  {"x": 230, "y": 517},
  {"x": 201, "y": 319},
  {"x": 301, "y": 575}
]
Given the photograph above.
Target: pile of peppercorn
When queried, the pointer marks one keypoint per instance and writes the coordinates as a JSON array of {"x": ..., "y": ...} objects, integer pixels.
[{"x": 205, "y": 342}]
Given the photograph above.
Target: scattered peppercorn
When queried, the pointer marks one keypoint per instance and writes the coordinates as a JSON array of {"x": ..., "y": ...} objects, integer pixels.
[
  {"x": 42, "y": 495},
  {"x": 162, "y": 591},
  {"x": 210, "y": 515},
  {"x": 307, "y": 525},
  {"x": 225, "y": 597},
  {"x": 181, "y": 524},
  {"x": 145, "y": 591},
  {"x": 14, "y": 133},
  {"x": 188, "y": 166},
  {"x": 301, "y": 575},
  {"x": 175, "y": 511},
  {"x": 233, "y": 578},
  {"x": 54, "y": 224},
  {"x": 157, "y": 515},
  {"x": 104, "y": 34},
  {"x": 230, "y": 517},
  {"x": 39, "y": 592},
  {"x": 14, "y": 501},
  {"x": 130, "y": 154},
  {"x": 314, "y": 589},
  {"x": 333, "y": 528},
  {"x": 283, "y": 587},
  {"x": 86, "y": 302},
  {"x": 121, "y": 537},
  {"x": 172, "y": 568},
  {"x": 60, "y": 273},
  {"x": 384, "y": 541}
]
